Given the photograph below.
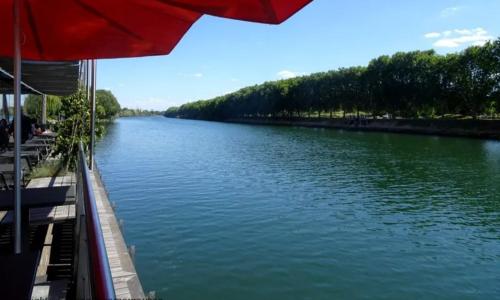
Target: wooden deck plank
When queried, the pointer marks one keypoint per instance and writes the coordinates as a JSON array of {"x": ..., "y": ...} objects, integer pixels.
[
  {"x": 45, "y": 215},
  {"x": 41, "y": 272}
]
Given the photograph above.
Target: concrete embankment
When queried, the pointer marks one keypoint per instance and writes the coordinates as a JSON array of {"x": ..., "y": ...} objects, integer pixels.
[{"x": 483, "y": 129}]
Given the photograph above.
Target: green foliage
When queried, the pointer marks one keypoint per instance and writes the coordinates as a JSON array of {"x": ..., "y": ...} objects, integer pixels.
[
  {"x": 107, "y": 107},
  {"x": 409, "y": 85},
  {"x": 475, "y": 77},
  {"x": 50, "y": 168},
  {"x": 74, "y": 127},
  {"x": 172, "y": 111},
  {"x": 128, "y": 112},
  {"x": 33, "y": 106}
]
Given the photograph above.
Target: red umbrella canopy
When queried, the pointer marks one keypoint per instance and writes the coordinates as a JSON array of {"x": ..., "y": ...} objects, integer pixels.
[{"x": 86, "y": 29}]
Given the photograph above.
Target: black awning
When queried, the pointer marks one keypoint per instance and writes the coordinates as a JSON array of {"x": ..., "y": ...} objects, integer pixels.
[{"x": 51, "y": 78}]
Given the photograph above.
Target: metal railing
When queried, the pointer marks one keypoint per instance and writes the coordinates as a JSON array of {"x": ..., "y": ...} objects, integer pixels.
[{"x": 92, "y": 270}]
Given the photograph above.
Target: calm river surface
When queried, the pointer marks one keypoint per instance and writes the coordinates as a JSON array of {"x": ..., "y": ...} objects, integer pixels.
[{"x": 226, "y": 211}]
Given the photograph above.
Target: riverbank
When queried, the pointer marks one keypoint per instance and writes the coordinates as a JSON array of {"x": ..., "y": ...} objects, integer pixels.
[{"x": 480, "y": 129}]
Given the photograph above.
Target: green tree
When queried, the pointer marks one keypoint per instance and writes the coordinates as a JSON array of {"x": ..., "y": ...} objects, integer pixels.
[
  {"x": 351, "y": 89},
  {"x": 378, "y": 84},
  {"x": 74, "y": 127},
  {"x": 33, "y": 106},
  {"x": 107, "y": 107},
  {"x": 475, "y": 76}
]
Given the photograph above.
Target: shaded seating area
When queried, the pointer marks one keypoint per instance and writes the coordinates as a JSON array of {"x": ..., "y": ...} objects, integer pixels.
[
  {"x": 41, "y": 78},
  {"x": 34, "y": 152},
  {"x": 58, "y": 225},
  {"x": 45, "y": 267}
]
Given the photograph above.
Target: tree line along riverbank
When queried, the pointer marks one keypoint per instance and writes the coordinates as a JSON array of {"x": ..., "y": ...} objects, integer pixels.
[{"x": 414, "y": 86}]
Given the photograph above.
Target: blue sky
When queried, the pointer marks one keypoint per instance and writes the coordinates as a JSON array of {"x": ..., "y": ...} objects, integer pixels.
[{"x": 218, "y": 56}]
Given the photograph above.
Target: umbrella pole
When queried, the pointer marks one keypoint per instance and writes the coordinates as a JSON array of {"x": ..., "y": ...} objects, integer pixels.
[
  {"x": 17, "y": 127},
  {"x": 92, "y": 116}
]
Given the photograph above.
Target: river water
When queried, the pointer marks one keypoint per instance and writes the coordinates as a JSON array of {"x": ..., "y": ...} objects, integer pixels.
[{"x": 228, "y": 211}]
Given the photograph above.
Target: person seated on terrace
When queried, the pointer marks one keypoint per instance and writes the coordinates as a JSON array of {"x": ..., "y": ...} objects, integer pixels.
[
  {"x": 36, "y": 130},
  {"x": 4, "y": 135},
  {"x": 26, "y": 133}
]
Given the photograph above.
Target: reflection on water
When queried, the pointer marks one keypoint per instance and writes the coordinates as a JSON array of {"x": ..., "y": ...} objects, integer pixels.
[{"x": 225, "y": 211}]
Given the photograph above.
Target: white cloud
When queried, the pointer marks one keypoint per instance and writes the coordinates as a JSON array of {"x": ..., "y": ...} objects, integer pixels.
[
  {"x": 450, "y": 11},
  {"x": 447, "y": 33},
  {"x": 287, "y": 74},
  {"x": 460, "y": 37},
  {"x": 432, "y": 35},
  {"x": 198, "y": 75},
  {"x": 463, "y": 31}
]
